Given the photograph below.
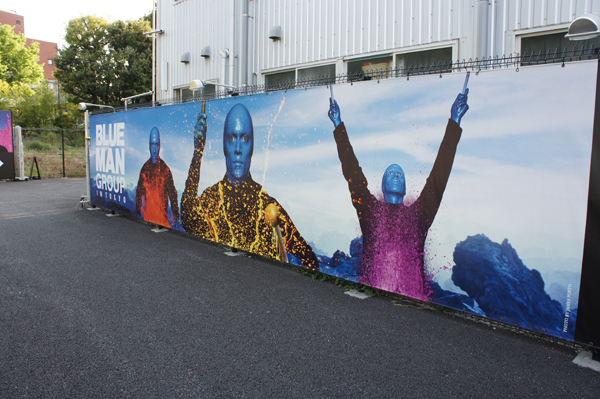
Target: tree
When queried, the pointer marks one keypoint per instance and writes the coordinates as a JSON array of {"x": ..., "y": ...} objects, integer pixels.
[
  {"x": 18, "y": 64},
  {"x": 22, "y": 89},
  {"x": 104, "y": 62},
  {"x": 35, "y": 109}
]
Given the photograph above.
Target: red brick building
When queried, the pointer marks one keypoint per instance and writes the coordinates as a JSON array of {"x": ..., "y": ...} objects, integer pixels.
[{"x": 48, "y": 50}]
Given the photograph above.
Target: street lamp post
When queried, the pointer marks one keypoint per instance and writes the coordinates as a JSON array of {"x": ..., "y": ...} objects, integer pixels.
[
  {"x": 584, "y": 28},
  {"x": 127, "y": 100}
]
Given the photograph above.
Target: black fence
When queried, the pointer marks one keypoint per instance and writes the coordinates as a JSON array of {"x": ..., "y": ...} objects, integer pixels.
[
  {"x": 54, "y": 151},
  {"x": 476, "y": 65}
]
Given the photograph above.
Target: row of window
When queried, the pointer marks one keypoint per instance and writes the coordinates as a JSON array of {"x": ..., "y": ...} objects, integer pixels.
[{"x": 365, "y": 68}]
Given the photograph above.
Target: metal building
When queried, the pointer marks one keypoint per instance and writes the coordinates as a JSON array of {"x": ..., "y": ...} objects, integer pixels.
[{"x": 249, "y": 42}]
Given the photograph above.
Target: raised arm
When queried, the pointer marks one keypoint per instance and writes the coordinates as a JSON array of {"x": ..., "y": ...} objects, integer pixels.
[
  {"x": 357, "y": 182},
  {"x": 192, "y": 214},
  {"x": 431, "y": 197}
]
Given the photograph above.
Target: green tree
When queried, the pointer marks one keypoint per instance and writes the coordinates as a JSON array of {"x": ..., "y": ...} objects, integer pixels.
[
  {"x": 18, "y": 64},
  {"x": 34, "y": 109},
  {"x": 68, "y": 116},
  {"x": 24, "y": 89},
  {"x": 104, "y": 62}
]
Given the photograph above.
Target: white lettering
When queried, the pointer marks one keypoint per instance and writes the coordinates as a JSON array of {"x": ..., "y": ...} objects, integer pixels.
[
  {"x": 120, "y": 161},
  {"x": 98, "y": 135},
  {"x": 120, "y": 128},
  {"x": 112, "y": 135},
  {"x": 568, "y": 310},
  {"x": 104, "y": 140},
  {"x": 100, "y": 159},
  {"x": 110, "y": 162}
]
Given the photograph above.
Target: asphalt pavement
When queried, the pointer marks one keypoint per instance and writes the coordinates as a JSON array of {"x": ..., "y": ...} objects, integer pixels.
[{"x": 102, "y": 307}]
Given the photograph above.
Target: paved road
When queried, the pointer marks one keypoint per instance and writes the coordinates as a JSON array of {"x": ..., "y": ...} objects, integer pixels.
[{"x": 96, "y": 306}]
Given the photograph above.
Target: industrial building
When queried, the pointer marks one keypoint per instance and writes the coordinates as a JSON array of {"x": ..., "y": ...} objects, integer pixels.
[{"x": 254, "y": 42}]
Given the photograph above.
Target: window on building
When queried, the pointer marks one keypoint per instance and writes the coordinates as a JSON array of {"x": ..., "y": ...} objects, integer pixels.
[
  {"x": 50, "y": 62},
  {"x": 369, "y": 68},
  {"x": 280, "y": 80},
  {"x": 208, "y": 90},
  {"x": 183, "y": 94},
  {"x": 18, "y": 23},
  {"x": 324, "y": 74},
  {"x": 411, "y": 61},
  {"x": 535, "y": 48}
]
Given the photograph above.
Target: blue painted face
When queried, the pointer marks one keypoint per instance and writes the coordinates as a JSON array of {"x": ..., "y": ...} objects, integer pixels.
[
  {"x": 393, "y": 184},
  {"x": 154, "y": 144},
  {"x": 238, "y": 144}
]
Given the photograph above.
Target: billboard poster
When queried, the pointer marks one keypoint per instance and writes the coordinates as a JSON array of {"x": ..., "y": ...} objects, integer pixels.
[
  {"x": 7, "y": 157},
  {"x": 470, "y": 192}
]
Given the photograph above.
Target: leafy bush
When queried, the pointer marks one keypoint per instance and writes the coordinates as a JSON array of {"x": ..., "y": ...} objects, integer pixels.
[
  {"x": 39, "y": 146},
  {"x": 50, "y": 137}
]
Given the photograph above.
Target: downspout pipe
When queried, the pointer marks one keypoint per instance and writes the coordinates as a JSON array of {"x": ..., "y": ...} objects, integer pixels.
[
  {"x": 244, "y": 44},
  {"x": 232, "y": 48},
  {"x": 153, "y": 55},
  {"x": 482, "y": 32}
]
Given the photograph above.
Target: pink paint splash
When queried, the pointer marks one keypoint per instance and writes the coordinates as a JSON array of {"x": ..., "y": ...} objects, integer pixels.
[
  {"x": 393, "y": 259},
  {"x": 6, "y": 131}
]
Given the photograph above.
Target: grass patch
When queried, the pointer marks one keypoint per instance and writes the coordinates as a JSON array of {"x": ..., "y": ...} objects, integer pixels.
[
  {"x": 38, "y": 146},
  {"x": 51, "y": 164},
  {"x": 46, "y": 147}
]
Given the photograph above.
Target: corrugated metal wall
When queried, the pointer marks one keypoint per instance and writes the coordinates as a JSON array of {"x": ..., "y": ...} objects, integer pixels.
[
  {"x": 321, "y": 30},
  {"x": 329, "y": 31},
  {"x": 188, "y": 26}
]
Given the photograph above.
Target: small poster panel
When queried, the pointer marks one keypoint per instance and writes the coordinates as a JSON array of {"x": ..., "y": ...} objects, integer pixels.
[{"x": 7, "y": 156}]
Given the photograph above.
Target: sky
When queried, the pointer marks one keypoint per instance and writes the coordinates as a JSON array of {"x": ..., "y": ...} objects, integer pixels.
[
  {"x": 47, "y": 20},
  {"x": 521, "y": 170}
]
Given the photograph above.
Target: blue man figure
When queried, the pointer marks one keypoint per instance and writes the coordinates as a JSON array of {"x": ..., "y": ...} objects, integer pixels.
[
  {"x": 154, "y": 145},
  {"x": 393, "y": 185},
  {"x": 238, "y": 144},
  {"x": 156, "y": 188},
  {"x": 394, "y": 233},
  {"x": 232, "y": 212}
]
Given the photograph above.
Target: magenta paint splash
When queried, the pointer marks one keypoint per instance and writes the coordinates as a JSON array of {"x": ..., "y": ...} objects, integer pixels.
[
  {"x": 394, "y": 234},
  {"x": 393, "y": 250},
  {"x": 6, "y": 140}
]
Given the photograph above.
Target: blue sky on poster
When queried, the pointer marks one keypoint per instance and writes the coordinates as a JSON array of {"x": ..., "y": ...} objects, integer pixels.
[
  {"x": 47, "y": 20},
  {"x": 521, "y": 171}
]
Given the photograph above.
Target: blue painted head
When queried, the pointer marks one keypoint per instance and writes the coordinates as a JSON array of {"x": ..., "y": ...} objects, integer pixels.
[
  {"x": 238, "y": 144},
  {"x": 393, "y": 184},
  {"x": 154, "y": 144}
]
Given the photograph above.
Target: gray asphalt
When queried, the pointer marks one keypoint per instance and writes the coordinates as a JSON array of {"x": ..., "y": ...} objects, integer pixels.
[{"x": 102, "y": 307}]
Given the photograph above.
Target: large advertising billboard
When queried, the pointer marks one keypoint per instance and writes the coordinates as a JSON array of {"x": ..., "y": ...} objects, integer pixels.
[
  {"x": 468, "y": 190},
  {"x": 7, "y": 156}
]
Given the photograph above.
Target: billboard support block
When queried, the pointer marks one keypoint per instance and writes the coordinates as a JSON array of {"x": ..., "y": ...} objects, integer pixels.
[{"x": 584, "y": 359}]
